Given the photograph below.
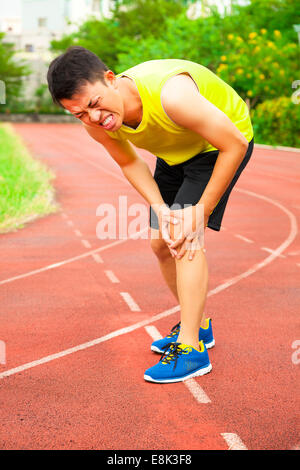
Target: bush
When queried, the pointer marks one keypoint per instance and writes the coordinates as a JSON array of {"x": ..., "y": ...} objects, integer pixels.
[
  {"x": 43, "y": 103},
  {"x": 26, "y": 190},
  {"x": 40, "y": 103},
  {"x": 276, "y": 122},
  {"x": 12, "y": 73}
]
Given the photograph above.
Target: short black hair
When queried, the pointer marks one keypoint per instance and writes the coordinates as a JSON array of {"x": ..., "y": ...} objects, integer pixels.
[{"x": 68, "y": 72}]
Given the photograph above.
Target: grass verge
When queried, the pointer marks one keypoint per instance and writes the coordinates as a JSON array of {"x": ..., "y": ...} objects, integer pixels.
[{"x": 25, "y": 184}]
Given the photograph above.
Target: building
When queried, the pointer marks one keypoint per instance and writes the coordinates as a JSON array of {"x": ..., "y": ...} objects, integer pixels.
[
  {"x": 201, "y": 8},
  {"x": 42, "y": 21}
]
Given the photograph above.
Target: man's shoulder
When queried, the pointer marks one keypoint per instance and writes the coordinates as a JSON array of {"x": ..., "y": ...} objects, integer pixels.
[
  {"x": 156, "y": 67},
  {"x": 176, "y": 86}
]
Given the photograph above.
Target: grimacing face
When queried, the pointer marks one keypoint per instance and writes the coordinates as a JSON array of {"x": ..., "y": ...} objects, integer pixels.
[{"x": 98, "y": 105}]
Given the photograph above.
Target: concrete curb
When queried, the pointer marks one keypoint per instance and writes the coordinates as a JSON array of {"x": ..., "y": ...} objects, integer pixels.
[
  {"x": 44, "y": 118},
  {"x": 61, "y": 118},
  {"x": 270, "y": 147}
]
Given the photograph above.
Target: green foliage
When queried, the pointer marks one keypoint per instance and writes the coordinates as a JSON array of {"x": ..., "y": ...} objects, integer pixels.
[
  {"x": 99, "y": 37},
  {"x": 139, "y": 19},
  {"x": 257, "y": 67},
  {"x": 254, "y": 49},
  {"x": 269, "y": 14},
  {"x": 43, "y": 103},
  {"x": 25, "y": 183},
  {"x": 110, "y": 37},
  {"x": 12, "y": 72},
  {"x": 197, "y": 40},
  {"x": 276, "y": 122}
]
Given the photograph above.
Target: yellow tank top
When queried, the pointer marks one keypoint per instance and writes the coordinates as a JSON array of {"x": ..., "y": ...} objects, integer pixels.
[{"x": 157, "y": 133}]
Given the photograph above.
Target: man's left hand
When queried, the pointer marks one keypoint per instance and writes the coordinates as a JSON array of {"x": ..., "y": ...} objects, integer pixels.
[{"x": 192, "y": 225}]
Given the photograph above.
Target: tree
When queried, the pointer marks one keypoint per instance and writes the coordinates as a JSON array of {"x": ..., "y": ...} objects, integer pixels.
[
  {"x": 268, "y": 14},
  {"x": 132, "y": 21},
  {"x": 12, "y": 72},
  {"x": 258, "y": 68},
  {"x": 258, "y": 63},
  {"x": 254, "y": 49}
]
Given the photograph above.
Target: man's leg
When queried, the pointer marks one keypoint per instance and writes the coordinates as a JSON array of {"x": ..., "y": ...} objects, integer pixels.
[
  {"x": 192, "y": 285},
  {"x": 166, "y": 261},
  {"x": 188, "y": 282}
]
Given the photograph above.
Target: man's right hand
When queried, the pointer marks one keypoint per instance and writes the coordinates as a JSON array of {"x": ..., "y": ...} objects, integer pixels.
[{"x": 165, "y": 218}]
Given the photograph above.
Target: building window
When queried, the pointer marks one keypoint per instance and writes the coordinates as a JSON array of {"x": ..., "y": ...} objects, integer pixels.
[
  {"x": 29, "y": 48},
  {"x": 95, "y": 6},
  {"x": 42, "y": 22}
]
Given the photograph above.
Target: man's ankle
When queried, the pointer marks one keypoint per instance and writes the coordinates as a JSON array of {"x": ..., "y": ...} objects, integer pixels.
[{"x": 189, "y": 342}]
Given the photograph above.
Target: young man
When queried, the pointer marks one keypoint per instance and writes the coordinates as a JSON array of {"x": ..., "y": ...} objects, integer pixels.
[{"x": 200, "y": 130}]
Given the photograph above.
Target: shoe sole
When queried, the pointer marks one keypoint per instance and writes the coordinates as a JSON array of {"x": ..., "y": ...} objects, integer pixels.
[
  {"x": 202, "y": 371},
  {"x": 159, "y": 351}
]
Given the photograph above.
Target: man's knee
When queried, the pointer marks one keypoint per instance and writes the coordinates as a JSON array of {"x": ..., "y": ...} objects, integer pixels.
[{"x": 160, "y": 248}]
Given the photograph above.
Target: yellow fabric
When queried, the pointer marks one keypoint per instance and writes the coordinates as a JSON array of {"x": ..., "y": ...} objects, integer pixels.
[
  {"x": 206, "y": 324},
  {"x": 157, "y": 133}
]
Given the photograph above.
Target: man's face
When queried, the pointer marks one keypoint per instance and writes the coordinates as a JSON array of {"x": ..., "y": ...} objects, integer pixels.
[{"x": 98, "y": 105}]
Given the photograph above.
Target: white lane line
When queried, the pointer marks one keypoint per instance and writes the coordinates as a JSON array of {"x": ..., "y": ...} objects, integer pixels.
[
  {"x": 70, "y": 260},
  {"x": 70, "y": 223},
  {"x": 197, "y": 391},
  {"x": 97, "y": 258},
  {"x": 293, "y": 253},
  {"x": 78, "y": 233},
  {"x": 111, "y": 276},
  {"x": 272, "y": 251},
  {"x": 191, "y": 384},
  {"x": 234, "y": 441},
  {"x": 86, "y": 243},
  {"x": 292, "y": 235},
  {"x": 153, "y": 332},
  {"x": 130, "y": 302},
  {"x": 243, "y": 238},
  {"x": 89, "y": 344},
  {"x": 282, "y": 247}
]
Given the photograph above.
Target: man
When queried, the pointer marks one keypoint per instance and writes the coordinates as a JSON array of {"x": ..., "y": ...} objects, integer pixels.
[{"x": 200, "y": 130}]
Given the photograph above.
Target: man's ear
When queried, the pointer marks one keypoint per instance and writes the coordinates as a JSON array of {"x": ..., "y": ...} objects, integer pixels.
[{"x": 110, "y": 77}]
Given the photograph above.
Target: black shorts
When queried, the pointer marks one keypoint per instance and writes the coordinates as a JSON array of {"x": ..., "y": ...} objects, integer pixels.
[{"x": 184, "y": 184}]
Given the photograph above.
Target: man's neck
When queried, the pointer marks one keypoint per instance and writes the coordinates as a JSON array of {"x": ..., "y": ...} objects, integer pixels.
[{"x": 133, "y": 106}]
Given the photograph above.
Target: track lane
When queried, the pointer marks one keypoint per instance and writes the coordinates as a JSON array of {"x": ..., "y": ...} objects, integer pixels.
[{"x": 215, "y": 254}]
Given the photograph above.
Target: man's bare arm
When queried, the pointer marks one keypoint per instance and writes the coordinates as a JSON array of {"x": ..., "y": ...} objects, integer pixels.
[
  {"x": 134, "y": 168},
  {"x": 188, "y": 108}
]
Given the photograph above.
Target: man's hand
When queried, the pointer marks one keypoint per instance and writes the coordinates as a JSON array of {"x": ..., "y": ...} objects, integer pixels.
[
  {"x": 191, "y": 236},
  {"x": 166, "y": 219}
]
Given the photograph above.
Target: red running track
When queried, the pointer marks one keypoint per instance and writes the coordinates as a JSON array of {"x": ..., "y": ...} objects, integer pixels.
[{"x": 60, "y": 389}]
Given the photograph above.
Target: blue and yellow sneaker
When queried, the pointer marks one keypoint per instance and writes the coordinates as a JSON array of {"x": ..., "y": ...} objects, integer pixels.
[
  {"x": 179, "y": 362},
  {"x": 205, "y": 335}
]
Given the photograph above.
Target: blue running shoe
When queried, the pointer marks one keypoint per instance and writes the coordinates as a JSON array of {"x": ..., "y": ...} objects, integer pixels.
[
  {"x": 205, "y": 335},
  {"x": 179, "y": 362}
]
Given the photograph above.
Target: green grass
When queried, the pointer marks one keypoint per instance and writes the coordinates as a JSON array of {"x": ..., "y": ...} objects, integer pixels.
[{"x": 25, "y": 184}]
